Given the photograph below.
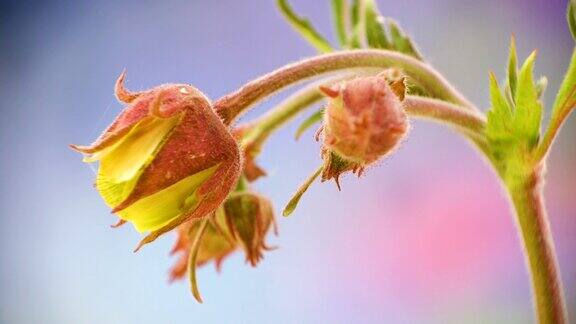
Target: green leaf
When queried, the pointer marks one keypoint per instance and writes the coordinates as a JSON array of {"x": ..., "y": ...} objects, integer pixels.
[
  {"x": 339, "y": 17},
  {"x": 563, "y": 106},
  {"x": 512, "y": 68},
  {"x": 566, "y": 98},
  {"x": 528, "y": 112},
  {"x": 309, "y": 122},
  {"x": 513, "y": 126},
  {"x": 304, "y": 28},
  {"x": 498, "y": 128},
  {"x": 400, "y": 41},
  {"x": 293, "y": 203},
  {"x": 356, "y": 24},
  {"x": 375, "y": 31},
  {"x": 571, "y": 17},
  {"x": 355, "y": 13}
]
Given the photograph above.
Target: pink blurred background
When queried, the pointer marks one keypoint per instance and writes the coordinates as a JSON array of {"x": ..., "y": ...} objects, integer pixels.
[{"x": 425, "y": 237}]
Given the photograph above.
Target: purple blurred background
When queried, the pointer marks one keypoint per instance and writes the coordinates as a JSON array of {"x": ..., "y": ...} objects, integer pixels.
[{"x": 426, "y": 237}]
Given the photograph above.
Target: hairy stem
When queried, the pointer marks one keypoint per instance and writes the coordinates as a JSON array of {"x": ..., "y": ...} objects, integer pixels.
[
  {"x": 231, "y": 106},
  {"x": 261, "y": 128},
  {"x": 469, "y": 123},
  {"x": 526, "y": 195}
]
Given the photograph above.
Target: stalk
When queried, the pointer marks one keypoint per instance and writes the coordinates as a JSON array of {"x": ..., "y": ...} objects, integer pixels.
[
  {"x": 468, "y": 123},
  {"x": 532, "y": 220},
  {"x": 231, "y": 106}
]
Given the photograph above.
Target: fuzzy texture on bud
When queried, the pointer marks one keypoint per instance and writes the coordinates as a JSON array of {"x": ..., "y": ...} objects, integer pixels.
[
  {"x": 166, "y": 159},
  {"x": 364, "y": 121}
]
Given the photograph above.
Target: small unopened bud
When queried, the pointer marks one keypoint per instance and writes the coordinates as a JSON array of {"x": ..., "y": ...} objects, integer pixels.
[
  {"x": 249, "y": 216},
  {"x": 166, "y": 159},
  {"x": 364, "y": 121},
  {"x": 241, "y": 223}
]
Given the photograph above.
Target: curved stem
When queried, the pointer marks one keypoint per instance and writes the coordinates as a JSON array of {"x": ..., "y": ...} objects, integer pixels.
[
  {"x": 444, "y": 112},
  {"x": 261, "y": 128},
  {"x": 231, "y": 106},
  {"x": 563, "y": 106},
  {"x": 471, "y": 124},
  {"x": 532, "y": 220}
]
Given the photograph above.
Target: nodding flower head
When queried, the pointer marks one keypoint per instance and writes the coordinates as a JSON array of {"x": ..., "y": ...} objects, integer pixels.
[
  {"x": 364, "y": 121},
  {"x": 242, "y": 222},
  {"x": 167, "y": 158}
]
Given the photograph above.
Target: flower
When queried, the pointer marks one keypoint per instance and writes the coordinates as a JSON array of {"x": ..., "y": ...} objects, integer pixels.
[
  {"x": 242, "y": 222},
  {"x": 166, "y": 159},
  {"x": 364, "y": 121}
]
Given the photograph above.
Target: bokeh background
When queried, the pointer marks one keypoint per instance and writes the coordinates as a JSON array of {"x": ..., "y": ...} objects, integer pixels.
[{"x": 425, "y": 237}]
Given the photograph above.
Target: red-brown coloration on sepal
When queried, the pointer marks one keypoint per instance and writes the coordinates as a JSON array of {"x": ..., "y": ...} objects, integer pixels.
[
  {"x": 251, "y": 170},
  {"x": 249, "y": 217},
  {"x": 364, "y": 121},
  {"x": 198, "y": 141},
  {"x": 123, "y": 94},
  {"x": 241, "y": 223}
]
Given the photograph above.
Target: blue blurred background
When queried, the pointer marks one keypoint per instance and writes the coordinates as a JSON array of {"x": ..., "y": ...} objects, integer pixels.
[{"x": 425, "y": 237}]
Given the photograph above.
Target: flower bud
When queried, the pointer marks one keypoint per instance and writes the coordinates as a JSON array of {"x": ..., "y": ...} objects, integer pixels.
[
  {"x": 249, "y": 218},
  {"x": 364, "y": 121},
  {"x": 241, "y": 223},
  {"x": 166, "y": 159}
]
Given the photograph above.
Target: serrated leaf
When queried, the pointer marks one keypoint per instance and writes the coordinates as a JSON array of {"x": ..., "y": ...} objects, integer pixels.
[
  {"x": 375, "y": 31},
  {"x": 293, "y": 203},
  {"x": 571, "y": 17},
  {"x": 304, "y": 28},
  {"x": 512, "y": 68},
  {"x": 528, "y": 112},
  {"x": 309, "y": 122},
  {"x": 339, "y": 16},
  {"x": 566, "y": 98},
  {"x": 563, "y": 106},
  {"x": 401, "y": 42},
  {"x": 498, "y": 127}
]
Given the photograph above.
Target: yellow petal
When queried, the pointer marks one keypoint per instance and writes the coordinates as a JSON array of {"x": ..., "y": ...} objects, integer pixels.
[
  {"x": 154, "y": 211},
  {"x": 122, "y": 163}
]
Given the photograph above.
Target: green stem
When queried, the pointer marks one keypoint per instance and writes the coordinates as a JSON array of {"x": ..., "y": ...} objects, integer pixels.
[
  {"x": 261, "y": 128},
  {"x": 526, "y": 195},
  {"x": 231, "y": 106}
]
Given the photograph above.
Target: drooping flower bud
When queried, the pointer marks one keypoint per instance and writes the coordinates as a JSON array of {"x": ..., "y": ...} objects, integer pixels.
[
  {"x": 364, "y": 121},
  {"x": 249, "y": 216},
  {"x": 241, "y": 223},
  {"x": 166, "y": 159}
]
